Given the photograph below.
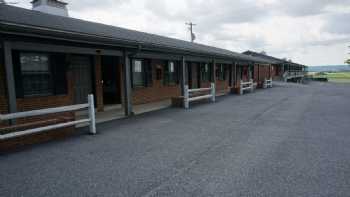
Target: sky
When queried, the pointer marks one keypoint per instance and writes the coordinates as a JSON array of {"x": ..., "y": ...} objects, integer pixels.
[{"x": 310, "y": 32}]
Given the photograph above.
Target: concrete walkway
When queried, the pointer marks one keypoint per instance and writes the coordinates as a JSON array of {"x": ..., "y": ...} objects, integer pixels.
[{"x": 291, "y": 140}]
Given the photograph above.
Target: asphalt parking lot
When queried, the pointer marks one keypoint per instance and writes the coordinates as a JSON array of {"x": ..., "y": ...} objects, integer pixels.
[{"x": 291, "y": 140}]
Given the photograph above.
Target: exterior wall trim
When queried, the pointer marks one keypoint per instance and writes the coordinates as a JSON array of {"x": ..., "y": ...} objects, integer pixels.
[
  {"x": 11, "y": 88},
  {"x": 128, "y": 108},
  {"x": 62, "y": 49}
]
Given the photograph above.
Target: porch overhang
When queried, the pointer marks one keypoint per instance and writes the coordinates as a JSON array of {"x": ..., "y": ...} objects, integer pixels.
[{"x": 77, "y": 37}]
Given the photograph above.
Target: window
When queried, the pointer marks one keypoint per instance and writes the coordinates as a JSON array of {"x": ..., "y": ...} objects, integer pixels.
[
  {"x": 141, "y": 73},
  {"x": 36, "y": 74},
  {"x": 221, "y": 72},
  {"x": 205, "y": 72},
  {"x": 40, "y": 74},
  {"x": 138, "y": 74},
  {"x": 170, "y": 74}
]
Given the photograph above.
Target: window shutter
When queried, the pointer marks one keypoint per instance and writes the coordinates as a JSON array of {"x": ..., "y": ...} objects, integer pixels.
[
  {"x": 132, "y": 62},
  {"x": 199, "y": 77},
  {"x": 59, "y": 71},
  {"x": 211, "y": 70},
  {"x": 166, "y": 73},
  {"x": 148, "y": 73},
  {"x": 225, "y": 71},
  {"x": 217, "y": 71},
  {"x": 177, "y": 72}
]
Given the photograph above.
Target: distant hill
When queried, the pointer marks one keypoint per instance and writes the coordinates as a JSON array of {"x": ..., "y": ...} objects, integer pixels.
[{"x": 335, "y": 68}]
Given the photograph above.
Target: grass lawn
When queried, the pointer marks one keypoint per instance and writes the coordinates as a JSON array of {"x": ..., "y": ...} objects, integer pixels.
[{"x": 339, "y": 77}]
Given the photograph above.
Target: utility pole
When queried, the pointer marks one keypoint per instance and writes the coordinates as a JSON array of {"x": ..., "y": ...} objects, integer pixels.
[{"x": 193, "y": 36}]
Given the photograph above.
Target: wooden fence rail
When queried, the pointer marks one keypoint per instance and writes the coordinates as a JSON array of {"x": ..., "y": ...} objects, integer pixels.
[
  {"x": 189, "y": 98},
  {"x": 91, "y": 119},
  {"x": 246, "y": 86},
  {"x": 268, "y": 83}
]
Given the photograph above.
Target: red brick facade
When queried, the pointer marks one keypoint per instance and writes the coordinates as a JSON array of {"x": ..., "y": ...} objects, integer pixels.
[
  {"x": 262, "y": 72},
  {"x": 158, "y": 91},
  {"x": 245, "y": 73},
  {"x": 34, "y": 103},
  {"x": 222, "y": 86}
]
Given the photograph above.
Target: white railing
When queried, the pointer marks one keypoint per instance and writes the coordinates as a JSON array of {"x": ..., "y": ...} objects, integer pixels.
[
  {"x": 267, "y": 83},
  {"x": 246, "y": 86},
  {"x": 293, "y": 74},
  {"x": 91, "y": 119},
  {"x": 188, "y": 97}
]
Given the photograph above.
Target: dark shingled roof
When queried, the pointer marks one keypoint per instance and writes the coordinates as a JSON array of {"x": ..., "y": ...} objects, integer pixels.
[
  {"x": 272, "y": 59},
  {"x": 35, "y": 19}
]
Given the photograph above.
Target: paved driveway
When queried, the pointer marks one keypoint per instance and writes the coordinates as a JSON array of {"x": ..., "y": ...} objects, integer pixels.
[{"x": 292, "y": 140}]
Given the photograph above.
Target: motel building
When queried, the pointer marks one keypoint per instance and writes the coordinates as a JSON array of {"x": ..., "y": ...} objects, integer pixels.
[
  {"x": 49, "y": 60},
  {"x": 282, "y": 69}
]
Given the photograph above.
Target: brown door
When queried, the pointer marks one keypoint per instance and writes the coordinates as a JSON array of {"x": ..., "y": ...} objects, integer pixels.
[{"x": 111, "y": 80}]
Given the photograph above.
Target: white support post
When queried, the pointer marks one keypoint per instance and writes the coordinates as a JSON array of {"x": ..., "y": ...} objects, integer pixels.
[
  {"x": 265, "y": 84},
  {"x": 252, "y": 85},
  {"x": 186, "y": 97},
  {"x": 271, "y": 82},
  {"x": 241, "y": 88},
  {"x": 213, "y": 93},
  {"x": 92, "y": 114}
]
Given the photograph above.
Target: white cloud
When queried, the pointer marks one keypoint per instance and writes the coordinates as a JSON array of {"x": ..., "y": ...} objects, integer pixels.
[{"x": 307, "y": 31}]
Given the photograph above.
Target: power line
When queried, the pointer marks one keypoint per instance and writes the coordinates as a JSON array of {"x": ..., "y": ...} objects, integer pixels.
[{"x": 193, "y": 36}]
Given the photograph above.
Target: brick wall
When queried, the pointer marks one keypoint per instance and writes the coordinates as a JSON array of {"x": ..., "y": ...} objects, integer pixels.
[
  {"x": 34, "y": 103},
  {"x": 260, "y": 73},
  {"x": 264, "y": 72},
  {"x": 245, "y": 71},
  {"x": 256, "y": 73},
  {"x": 205, "y": 84},
  {"x": 158, "y": 91},
  {"x": 26, "y": 104},
  {"x": 222, "y": 86}
]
